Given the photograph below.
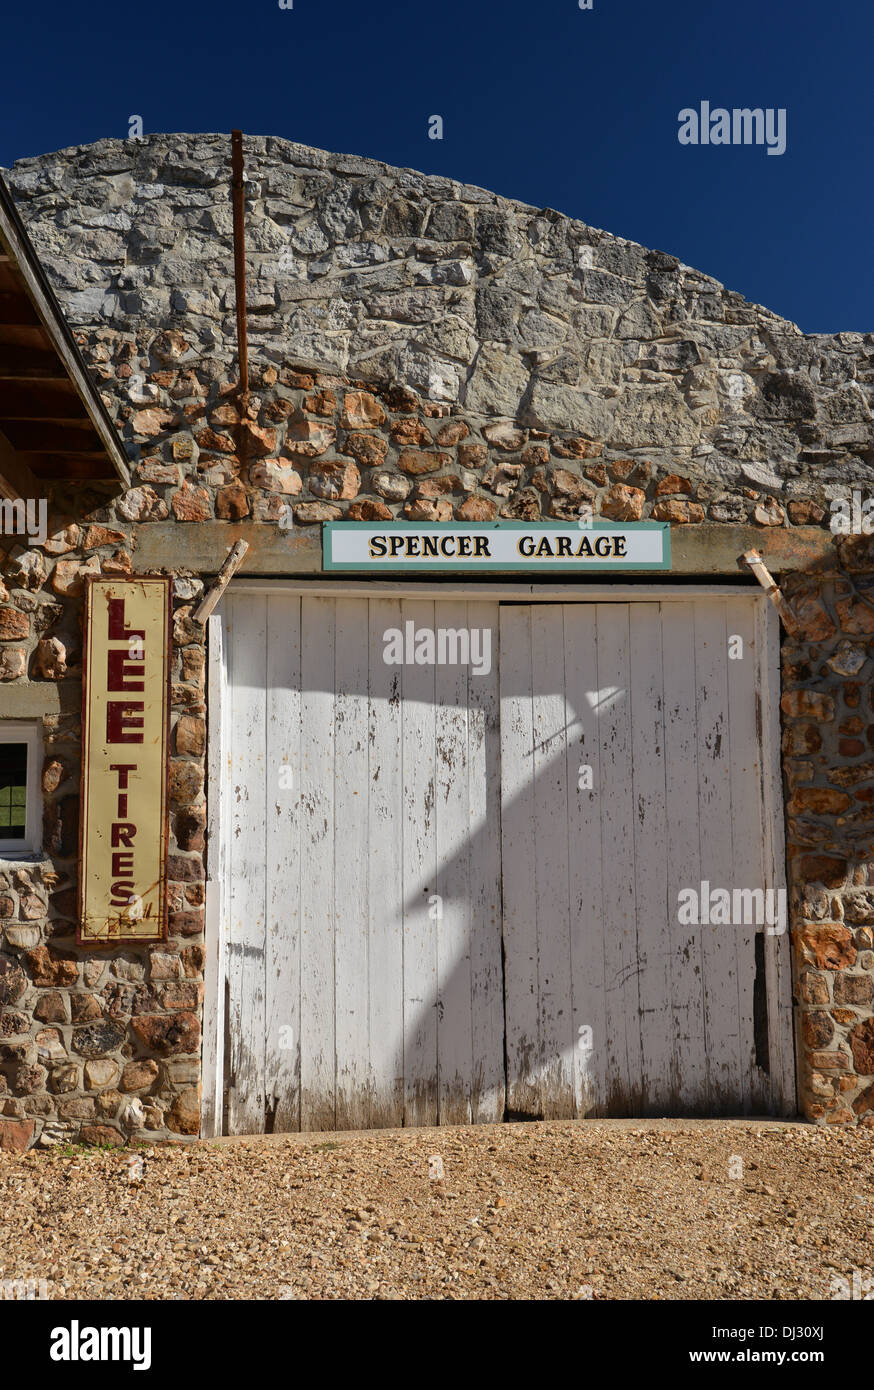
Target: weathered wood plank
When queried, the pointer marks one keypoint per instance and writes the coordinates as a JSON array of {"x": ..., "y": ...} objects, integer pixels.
[
  {"x": 688, "y": 1090},
  {"x": 420, "y": 877},
  {"x": 747, "y": 830},
  {"x": 548, "y": 767},
  {"x": 318, "y": 1003},
  {"x": 484, "y": 829},
  {"x": 216, "y": 931},
  {"x": 719, "y": 944},
  {"x": 585, "y": 884},
  {"x": 352, "y": 847},
  {"x": 385, "y": 904},
  {"x": 624, "y": 1063},
  {"x": 518, "y": 830},
  {"x": 247, "y": 629},
  {"x": 284, "y": 865},
  {"x": 778, "y": 962},
  {"x": 452, "y": 887},
  {"x": 650, "y": 851}
]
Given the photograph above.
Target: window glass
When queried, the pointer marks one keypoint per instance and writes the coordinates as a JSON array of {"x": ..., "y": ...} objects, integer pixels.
[{"x": 13, "y": 790}]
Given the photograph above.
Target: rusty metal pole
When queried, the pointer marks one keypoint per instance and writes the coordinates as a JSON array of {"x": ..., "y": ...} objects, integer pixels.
[{"x": 237, "y": 195}]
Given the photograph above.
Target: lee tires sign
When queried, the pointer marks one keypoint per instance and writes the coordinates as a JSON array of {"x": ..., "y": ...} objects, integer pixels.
[{"x": 125, "y": 702}]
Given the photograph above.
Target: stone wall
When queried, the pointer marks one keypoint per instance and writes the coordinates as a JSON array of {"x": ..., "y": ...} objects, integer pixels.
[
  {"x": 509, "y": 311},
  {"x": 828, "y": 750},
  {"x": 96, "y": 1045},
  {"x": 420, "y": 349}
]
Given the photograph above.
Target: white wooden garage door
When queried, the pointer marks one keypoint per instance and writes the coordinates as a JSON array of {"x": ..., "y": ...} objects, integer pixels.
[{"x": 451, "y": 896}]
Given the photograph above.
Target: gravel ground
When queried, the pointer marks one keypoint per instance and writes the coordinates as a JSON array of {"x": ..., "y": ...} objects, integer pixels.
[{"x": 628, "y": 1209}]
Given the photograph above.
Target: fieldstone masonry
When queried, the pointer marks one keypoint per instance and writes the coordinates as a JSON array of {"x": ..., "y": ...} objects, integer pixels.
[{"x": 420, "y": 349}]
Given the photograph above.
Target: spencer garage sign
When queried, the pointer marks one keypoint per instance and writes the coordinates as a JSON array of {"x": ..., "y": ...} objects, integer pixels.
[
  {"x": 495, "y": 545},
  {"x": 125, "y": 703}
]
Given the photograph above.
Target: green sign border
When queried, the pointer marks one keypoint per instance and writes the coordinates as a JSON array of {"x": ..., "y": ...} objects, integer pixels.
[{"x": 576, "y": 567}]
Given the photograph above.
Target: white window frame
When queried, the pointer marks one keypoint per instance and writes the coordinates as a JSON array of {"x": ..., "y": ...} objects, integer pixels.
[{"x": 28, "y": 731}]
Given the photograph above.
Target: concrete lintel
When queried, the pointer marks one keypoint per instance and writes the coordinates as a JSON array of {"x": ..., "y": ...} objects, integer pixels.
[
  {"x": 709, "y": 549},
  {"x": 203, "y": 546},
  {"x": 33, "y": 699}
]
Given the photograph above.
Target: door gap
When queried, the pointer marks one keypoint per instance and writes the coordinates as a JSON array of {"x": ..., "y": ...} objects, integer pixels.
[
  {"x": 229, "y": 1078},
  {"x": 760, "y": 1008}
]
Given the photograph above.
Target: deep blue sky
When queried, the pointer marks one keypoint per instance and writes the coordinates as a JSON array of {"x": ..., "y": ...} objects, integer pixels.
[{"x": 560, "y": 107}]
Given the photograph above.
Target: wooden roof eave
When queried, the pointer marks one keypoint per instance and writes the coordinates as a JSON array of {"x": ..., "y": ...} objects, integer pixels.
[{"x": 15, "y": 243}]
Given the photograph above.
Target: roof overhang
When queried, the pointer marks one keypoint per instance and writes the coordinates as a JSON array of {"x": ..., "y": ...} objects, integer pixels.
[{"x": 53, "y": 423}]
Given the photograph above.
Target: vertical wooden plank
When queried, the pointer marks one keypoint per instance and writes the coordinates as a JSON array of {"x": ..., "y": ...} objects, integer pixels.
[
  {"x": 247, "y": 629},
  {"x": 613, "y": 700},
  {"x": 689, "y": 1092},
  {"x": 385, "y": 905},
  {"x": 650, "y": 854},
  {"x": 778, "y": 963},
  {"x": 484, "y": 822},
  {"x": 283, "y": 860},
  {"x": 518, "y": 866},
  {"x": 584, "y": 858},
  {"x": 420, "y": 876},
  {"x": 555, "y": 1012},
  {"x": 215, "y": 965},
  {"x": 452, "y": 841},
  {"x": 719, "y": 940},
  {"x": 351, "y": 860},
  {"x": 317, "y": 1004},
  {"x": 747, "y": 829}
]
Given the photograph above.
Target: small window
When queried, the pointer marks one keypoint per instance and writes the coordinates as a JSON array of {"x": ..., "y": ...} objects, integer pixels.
[{"x": 20, "y": 808}]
